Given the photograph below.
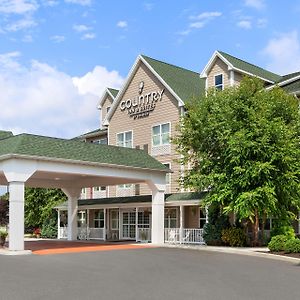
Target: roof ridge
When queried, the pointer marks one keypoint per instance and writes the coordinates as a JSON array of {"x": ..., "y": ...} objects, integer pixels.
[
  {"x": 172, "y": 65},
  {"x": 249, "y": 63}
]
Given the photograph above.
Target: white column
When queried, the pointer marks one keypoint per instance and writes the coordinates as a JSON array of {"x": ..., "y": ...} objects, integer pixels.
[
  {"x": 136, "y": 223},
  {"x": 16, "y": 216},
  {"x": 58, "y": 224},
  {"x": 104, "y": 229},
  {"x": 73, "y": 195},
  {"x": 158, "y": 209},
  {"x": 181, "y": 219},
  {"x": 120, "y": 225}
]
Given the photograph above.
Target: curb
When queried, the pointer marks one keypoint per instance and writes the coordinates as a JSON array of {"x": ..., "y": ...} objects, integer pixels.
[{"x": 240, "y": 251}]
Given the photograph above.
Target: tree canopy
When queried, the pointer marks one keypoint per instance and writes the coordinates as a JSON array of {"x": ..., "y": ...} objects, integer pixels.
[
  {"x": 242, "y": 144},
  {"x": 39, "y": 203}
]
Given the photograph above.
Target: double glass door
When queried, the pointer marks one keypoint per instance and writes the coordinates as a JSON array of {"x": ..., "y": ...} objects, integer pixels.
[{"x": 128, "y": 225}]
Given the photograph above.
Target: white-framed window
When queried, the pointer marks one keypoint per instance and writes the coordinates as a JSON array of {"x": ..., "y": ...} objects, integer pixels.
[
  {"x": 99, "y": 218},
  {"x": 102, "y": 141},
  {"x": 168, "y": 175},
  {"x": 124, "y": 139},
  {"x": 219, "y": 84},
  {"x": 114, "y": 220},
  {"x": 83, "y": 191},
  {"x": 81, "y": 218},
  {"x": 99, "y": 188},
  {"x": 107, "y": 109},
  {"x": 161, "y": 134},
  {"x": 170, "y": 218},
  {"x": 202, "y": 217},
  {"x": 125, "y": 186}
]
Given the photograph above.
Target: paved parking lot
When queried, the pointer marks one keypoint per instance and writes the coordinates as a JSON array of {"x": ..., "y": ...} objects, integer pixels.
[{"x": 150, "y": 273}]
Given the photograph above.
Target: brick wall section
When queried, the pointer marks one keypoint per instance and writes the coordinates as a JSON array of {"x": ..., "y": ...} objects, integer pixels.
[
  {"x": 165, "y": 111},
  {"x": 218, "y": 68},
  {"x": 191, "y": 217}
]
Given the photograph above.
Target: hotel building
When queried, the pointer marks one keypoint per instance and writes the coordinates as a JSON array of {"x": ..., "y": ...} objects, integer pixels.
[{"x": 144, "y": 114}]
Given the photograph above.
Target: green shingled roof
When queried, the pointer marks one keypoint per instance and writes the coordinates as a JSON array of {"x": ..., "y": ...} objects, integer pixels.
[
  {"x": 5, "y": 134},
  {"x": 185, "y": 83},
  {"x": 292, "y": 87},
  {"x": 54, "y": 148},
  {"x": 289, "y": 76},
  {"x": 191, "y": 196},
  {"x": 250, "y": 68},
  {"x": 91, "y": 133},
  {"x": 114, "y": 92}
]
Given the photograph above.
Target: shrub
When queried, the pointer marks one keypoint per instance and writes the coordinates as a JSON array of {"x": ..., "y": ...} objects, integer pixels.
[
  {"x": 49, "y": 229},
  {"x": 234, "y": 237},
  {"x": 292, "y": 246},
  {"x": 283, "y": 230},
  {"x": 277, "y": 243},
  {"x": 216, "y": 223}
]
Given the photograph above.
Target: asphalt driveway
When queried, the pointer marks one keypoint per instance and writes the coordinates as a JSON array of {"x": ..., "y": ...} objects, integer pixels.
[{"x": 150, "y": 273}]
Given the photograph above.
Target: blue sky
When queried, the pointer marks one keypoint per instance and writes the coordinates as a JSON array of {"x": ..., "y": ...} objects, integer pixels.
[{"x": 56, "y": 57}]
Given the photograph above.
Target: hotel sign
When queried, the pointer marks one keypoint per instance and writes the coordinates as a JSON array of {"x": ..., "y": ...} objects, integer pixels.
[{"x": 141, "y": 106}]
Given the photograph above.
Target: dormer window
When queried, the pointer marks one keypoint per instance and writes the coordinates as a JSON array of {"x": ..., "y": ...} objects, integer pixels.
[
  {"x": 107, "y": 109},
  {"x": 219, "y": 85}
]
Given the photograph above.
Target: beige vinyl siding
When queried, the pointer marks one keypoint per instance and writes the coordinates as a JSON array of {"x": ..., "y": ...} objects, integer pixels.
[
  {"x": 219, "y": 67},
  {"x": 107, "y": 103},
  {"x": 166, "y": 111},
  {"x": 237, "y": 77}
]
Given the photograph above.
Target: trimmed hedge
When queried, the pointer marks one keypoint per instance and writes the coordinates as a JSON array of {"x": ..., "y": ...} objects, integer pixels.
[
  {"x": 292, "y": 246},
  {"x": 277, "y": 243}
]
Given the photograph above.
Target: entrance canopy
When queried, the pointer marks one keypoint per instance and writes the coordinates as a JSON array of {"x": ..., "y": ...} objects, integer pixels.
[{"x": 39, "y": 161}]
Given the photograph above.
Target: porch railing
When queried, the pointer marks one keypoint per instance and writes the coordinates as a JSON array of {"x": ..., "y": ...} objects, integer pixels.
[
  {"x": 63, "y": 232},
  {"x": 184, "y": 236},
  {"x": 143, "y": 235},
  {"x": 83, "y": 233}
]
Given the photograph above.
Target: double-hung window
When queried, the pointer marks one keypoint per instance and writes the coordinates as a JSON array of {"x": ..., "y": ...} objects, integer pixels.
[
  {"x": 161, "y": 134},
  {"x": 219, "y": 84},
  {"x": 99, "y": 218},
  {"x": 124, "y": 139}
]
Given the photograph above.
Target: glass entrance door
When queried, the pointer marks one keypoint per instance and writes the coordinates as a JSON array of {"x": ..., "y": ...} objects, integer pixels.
[{"x": 128, "y": 225}]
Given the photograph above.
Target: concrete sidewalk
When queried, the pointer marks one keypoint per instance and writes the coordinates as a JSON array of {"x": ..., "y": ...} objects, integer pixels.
[{"x": 250, "y": 251}]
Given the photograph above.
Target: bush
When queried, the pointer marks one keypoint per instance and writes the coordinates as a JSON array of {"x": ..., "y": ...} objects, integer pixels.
[
  {"x": 292, "y": 246},
  {"x": 277, "y": 243},
  {"x": 216, "y": 223},
  {"x": 283, "y": 230},
  {"x": 49, "y": 229},
  {"x": 234, "y": 237}
]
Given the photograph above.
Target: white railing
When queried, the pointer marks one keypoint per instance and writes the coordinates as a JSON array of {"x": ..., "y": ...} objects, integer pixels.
[
  {"x": 184, "y": 236},
  {"x": 63, "y": 232},
  {"x": 96, "y": 233},
  {"x": 83, "y": 233},
  {"x": 143, "y": 235}
]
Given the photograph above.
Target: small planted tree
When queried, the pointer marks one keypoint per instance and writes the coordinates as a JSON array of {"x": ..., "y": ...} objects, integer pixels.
[{"x": 242, "y": 144}]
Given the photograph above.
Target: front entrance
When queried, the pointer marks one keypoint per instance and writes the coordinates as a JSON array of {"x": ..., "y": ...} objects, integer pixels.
[{"x": 128, "y": 225}]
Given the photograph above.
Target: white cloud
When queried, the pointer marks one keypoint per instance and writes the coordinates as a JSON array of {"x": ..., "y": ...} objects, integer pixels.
[
  {"x": 18, "y": 6},
  {"x": 283, "y": 53},
  {"x": 57, "y": 38},
  {"x": 122, "y": 24},
  {"x": 27, "y": 38},
  {"x": 199, "y": 21},
  {"x": 81, "y": 28},
  {"x": 262, "y": 23},
  {"x": 207, "y": 15},
  {"x": 88, "y": 36},
  {"x": 42, "y": 100},
  {"x": 50, "y": 3},
  {"x": 80, "y": 2},
  {"x": 257, "y": 4},
  {"x": 22, "y": 24},
  {"x": 148, "y": 6},
  {"x": 245, "y": 24}
]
